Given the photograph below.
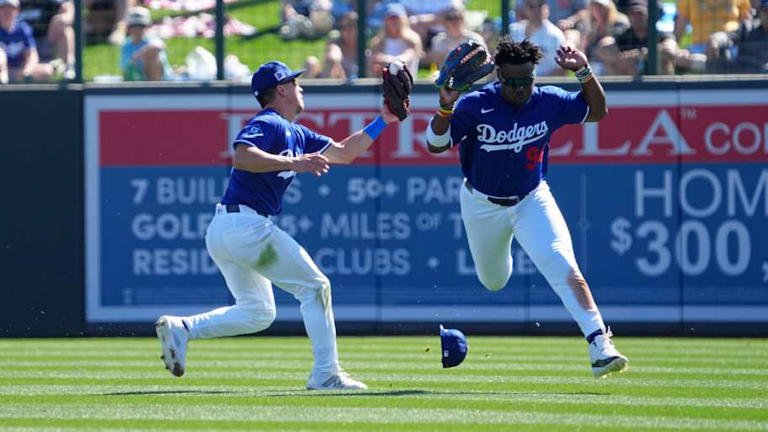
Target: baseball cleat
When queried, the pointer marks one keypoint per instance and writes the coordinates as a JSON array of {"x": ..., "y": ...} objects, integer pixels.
[
  {"x": 173, "y": 337},
  {"x": 605, "y": 358},
  {"x": 339, "y": 381}
]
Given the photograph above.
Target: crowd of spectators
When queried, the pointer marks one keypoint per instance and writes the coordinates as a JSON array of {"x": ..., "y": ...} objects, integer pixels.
[{"x": 704, "y": 36}]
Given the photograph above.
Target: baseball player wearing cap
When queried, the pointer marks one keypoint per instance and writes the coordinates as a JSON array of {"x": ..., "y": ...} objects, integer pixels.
[
  {"x": 503, "y": 130},
  {"x": 250, "y": 250}
]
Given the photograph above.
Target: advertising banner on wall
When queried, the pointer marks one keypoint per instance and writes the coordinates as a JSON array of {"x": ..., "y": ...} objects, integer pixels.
[{"x": 666, "y": 200}]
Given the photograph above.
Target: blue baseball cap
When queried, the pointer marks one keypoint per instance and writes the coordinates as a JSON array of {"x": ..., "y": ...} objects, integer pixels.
[
  {"x": 454, "y": 346},
  {"x": 272, "y": 74},
  {"x": 394, "y": 9}
]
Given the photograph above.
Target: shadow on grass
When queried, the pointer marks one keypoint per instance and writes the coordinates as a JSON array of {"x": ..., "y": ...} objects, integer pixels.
[
  {"x": 160, "y": 392},
  {"x": 413, "y": 392}
]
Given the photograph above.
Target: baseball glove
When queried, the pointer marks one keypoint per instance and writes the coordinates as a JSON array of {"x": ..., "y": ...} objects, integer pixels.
[
  {"x": 397, "y": 86},
  {"x": 466, "y": 64}
]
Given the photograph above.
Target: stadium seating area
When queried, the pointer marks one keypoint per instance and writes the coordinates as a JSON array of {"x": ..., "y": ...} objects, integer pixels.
[{"x": 322, "y": 35}]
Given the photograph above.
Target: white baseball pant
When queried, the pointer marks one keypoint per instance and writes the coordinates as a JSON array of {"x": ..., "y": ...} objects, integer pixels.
[
  {"x": 252, "y": 252},
  {"x": 541, "y": 231}
]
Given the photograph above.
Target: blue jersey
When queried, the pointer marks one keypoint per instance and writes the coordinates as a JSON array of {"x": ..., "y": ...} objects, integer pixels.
[
  {"x": 271, "y": 133},
  {"x": 504, "y": 148},
  {"x": 17, "y": 42}
]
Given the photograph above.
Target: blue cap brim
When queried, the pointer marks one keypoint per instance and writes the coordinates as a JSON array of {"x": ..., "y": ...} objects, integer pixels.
[{"x": 291, "y": 76}]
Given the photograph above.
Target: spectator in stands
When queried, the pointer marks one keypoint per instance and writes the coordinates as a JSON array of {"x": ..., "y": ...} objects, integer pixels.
[
  {"x": 564, "y": 9},
  {"x": 51, "y": 22},
  {"x": 143, "y": 57},
  {"x": 108, "y": 18},
  {"x": 538, "y": 29},
  {"x": 395, "y": 40},
  {"x": 627, "y": 53},
  {"x": 306, "y": 18},
  {"x": 19, "y": 61},
  {"x": 753, "y": 43},
  {"x": 455, "y": 33},
  {"x": 341, "y": 50},
  {"x": 425, "y": 17},
  {"x": 751, "y": 46},
  {"x": 587, "y": 30},
  {"x": 707, "y": 17}
]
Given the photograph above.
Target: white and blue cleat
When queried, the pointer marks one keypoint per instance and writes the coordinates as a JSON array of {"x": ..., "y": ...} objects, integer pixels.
[
  {"x": 173, "y": 338},
  {"x": 605, "y": 358}
]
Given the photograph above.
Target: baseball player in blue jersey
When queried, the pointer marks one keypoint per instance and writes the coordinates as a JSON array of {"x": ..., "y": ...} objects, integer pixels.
[
  {"x": 503, "y": 132},
  {"x": 250, "y": 250}
]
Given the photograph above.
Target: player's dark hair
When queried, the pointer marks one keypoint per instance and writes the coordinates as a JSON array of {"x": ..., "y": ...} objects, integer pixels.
[
  {"x": 266, "y": 96},
  {"x": 516, "y": 53}
]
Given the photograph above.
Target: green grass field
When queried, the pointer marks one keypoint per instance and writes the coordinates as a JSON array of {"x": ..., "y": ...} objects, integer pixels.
[{"x": 506, "y": 383}]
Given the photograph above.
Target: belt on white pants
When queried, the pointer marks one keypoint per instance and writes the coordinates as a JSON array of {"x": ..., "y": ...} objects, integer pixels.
[
  {"x": 237, "y": 208},
  {"x": 502, "y": 201}
]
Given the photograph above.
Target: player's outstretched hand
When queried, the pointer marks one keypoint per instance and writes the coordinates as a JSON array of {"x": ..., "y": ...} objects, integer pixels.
[
  {"x": 570, "y": 58},
  {"x": 315, "y": 163},
  {"x": 448, "y": 97}
]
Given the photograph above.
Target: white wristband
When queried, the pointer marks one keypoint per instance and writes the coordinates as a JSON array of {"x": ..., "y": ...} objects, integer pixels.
[{"x": 436, "y": 140}]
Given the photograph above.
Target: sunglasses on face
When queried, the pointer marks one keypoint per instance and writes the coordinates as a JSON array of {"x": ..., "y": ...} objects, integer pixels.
[{"x": 517, "y": 82}]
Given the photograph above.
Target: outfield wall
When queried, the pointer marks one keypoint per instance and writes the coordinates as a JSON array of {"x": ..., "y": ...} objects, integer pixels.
[{"x": 666, "y": 199}]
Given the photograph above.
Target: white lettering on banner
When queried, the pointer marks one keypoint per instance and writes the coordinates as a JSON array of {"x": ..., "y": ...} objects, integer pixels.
[
  {"x": 433, "y": 190},
  {"x": 738, "y": 196},
  {"x": 517, "y": 137},
  {"x": 664, "y": 192},
  {"x": 736, "y": 188},
  {"x": 364, "y": 261},
  {"x": 293, "y": 192},
  {"x": 365, "y": 226},
  {"x": 746, "y": 138},
  {"x": 717, "y": 193},
  {"x": 592, "y": 144},
  {"x": 172, "y": 262},
  {"x": 405, "y": 137},
  {"x": 141, "y": 185},
  {"x": 671, "y": 137},
  {"x": 169, "y": 226},
  {"x": 692, "y": 246},
  {"x": 458, "y": 224},
  {"x": 190, "y": 190}
]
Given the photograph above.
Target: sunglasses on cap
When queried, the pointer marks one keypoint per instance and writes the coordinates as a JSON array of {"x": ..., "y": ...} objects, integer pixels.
[{"x": 517, "y": 82}]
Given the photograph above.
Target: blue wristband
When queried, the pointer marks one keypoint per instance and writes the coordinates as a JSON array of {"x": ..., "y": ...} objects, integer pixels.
[{"x": 375, "y": 128}]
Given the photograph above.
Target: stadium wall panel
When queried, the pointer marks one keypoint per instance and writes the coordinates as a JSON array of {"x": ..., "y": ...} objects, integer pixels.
[{"x": 666, "y": 200}]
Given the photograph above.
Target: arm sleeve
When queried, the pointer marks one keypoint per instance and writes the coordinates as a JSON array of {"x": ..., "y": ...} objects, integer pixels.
[
  {"x": 461, "y": 122},
  {"x": 315, "y": 143},
  {"x": 258, "y": 134},
  {"x": 573, "y": 107}
]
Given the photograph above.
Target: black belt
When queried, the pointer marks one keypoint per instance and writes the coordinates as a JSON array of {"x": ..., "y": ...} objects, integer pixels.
[
  {"x": 235, "y": 208},
  {"x": 506, "y": 202}
]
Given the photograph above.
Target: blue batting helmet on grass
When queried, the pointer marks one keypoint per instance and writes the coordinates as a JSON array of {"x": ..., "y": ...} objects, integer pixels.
[{"x": 454, "y": 346}]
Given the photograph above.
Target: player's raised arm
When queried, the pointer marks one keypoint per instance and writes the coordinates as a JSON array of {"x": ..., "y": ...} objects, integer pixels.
[
  {"x": 570, "y": 58},
  {"x": 465, "y": 64},
  {"x": 438, "y": 131},
  {"x": 350, "y": 148},
  {"x": 396, "y": 85}
]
